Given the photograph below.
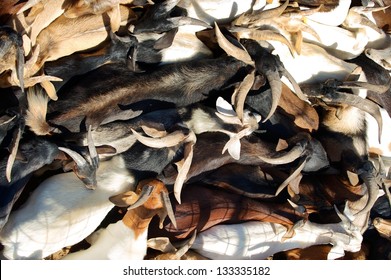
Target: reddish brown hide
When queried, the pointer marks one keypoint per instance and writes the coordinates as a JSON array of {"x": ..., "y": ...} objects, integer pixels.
[
  {"x": 383, "y": 18},
  {"x": 204, "y": 206},
  {"x": 138, "y": 218},
  {"x": 302, "y": 114},
  {"x": 9, "y": 8}
]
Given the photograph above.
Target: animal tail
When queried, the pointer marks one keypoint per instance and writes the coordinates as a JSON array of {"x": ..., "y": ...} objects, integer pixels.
[{"x": 36, "y": 111}]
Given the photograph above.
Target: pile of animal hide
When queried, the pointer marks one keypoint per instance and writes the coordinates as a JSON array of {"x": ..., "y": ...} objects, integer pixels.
[{"x": 267, "y": 121}]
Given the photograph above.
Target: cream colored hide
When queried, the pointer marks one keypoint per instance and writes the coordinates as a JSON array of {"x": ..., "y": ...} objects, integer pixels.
[
  {"x": 326, "y": 67},
  {"x": 344, "y": 44},
  {"x": 380, "y": 56},
  {"x": 41, "y": 15},
  {"x": 357, "y": 34},
  {"x": 219, "y": 11},
  {"x": 62, "y": 212},
  {"x": 335, "y": 16},
  {"x": 127, "y": 238},
  {"x": 116, "y": 242},
  {"x": 383, "y": 147},
  {"x": 259, "y": 240},
  {"x": 360, "y": 19},
  {"x": 185, "y": 46}
]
